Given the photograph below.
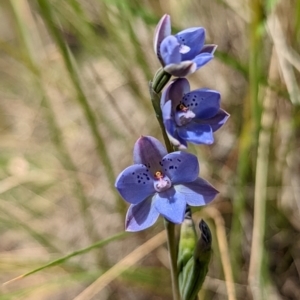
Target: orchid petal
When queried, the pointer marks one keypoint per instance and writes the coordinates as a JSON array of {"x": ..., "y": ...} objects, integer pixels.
[
  {"x": 141, "y": 216},
  {"x": 170, "y": 126},
  {"x": 177, "y": 141},
  {"x": 181, "y": 167},
  {"x": 171, "y": 205},
  {"x": 216, "y": 121},
  {"x": 193, "y": 38},
  {"x": 198, "y": 192},
  {"x": 168, "y": 120},
  {"x": 196, "y": 133},
  {"x": 165, "y": 97},
  {"x": 162, "y": 30},
  {"x": 177, "y": 89},
  {"x": 170, "y": 50},
  {"x": 135, "y": 184},
  {"x": 183, "y": 144},
  {"x": 184, "y": 49},
  {"x": 202, "y": 59},
  {"x": 149, "y": 151},
  {"x": 209, "y": 48},
  {"x": 203, "y": 102},
  {"x": 181, "y": 69}
]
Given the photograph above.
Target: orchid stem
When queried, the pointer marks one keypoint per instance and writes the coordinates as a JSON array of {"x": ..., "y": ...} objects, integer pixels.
[
  {"x": 172, "y": 246},
  {"x": 160, "y": 80}
]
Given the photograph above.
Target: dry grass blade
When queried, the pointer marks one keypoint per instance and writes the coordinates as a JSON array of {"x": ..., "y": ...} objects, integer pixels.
[
  {"x": 215, "y": 215},
  {"x": 277, "y": 35},
  {"x": 261, "y": 177},
  {"x": 127, "y": 262},
  {"x": 14, "y": 181},
  {"x": 240, "y": 8},
  {"x": 286, "y": 58}
]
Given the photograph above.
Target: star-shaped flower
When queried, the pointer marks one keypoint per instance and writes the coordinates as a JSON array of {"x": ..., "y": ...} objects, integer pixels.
[
  {"x": 191, "y": 116},
  {"x": 183, "y": 53},
  {"x": 161, "y": 183}
]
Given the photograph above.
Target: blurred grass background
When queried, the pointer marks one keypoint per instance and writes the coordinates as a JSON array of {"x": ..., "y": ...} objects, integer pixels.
[{"x": 73, "y": 100}]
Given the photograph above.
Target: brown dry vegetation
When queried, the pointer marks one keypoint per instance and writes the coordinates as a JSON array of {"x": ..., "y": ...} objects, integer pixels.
[{"x": 67, "y": 128}]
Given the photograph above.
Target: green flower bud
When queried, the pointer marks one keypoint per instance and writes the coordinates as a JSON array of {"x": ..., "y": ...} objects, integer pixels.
[
  {"x": 192, "y": 274},
  {"x": 187, "y": 242}
]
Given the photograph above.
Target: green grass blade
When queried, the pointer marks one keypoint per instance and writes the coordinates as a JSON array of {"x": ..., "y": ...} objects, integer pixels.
[{"x": 63, "y": 259}]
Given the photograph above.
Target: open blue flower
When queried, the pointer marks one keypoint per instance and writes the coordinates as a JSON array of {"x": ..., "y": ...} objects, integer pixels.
[
  {"x": 183, "y": 53},
  {"x": 191, "y": 116},
  {"x": 161, "y": 183}
]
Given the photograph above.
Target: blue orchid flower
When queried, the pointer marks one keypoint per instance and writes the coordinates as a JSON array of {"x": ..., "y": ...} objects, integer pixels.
[
  {"x": 183, "y": 53},
  {"x": 161, "y": 183},
  {"x": 191, "y": 116}
]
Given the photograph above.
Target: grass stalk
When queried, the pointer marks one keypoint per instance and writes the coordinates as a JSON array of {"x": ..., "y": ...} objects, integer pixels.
[
  {"x": 63, "y": 259},
  {"x": 123, "y": 62},
  {"x": 215, "y": 215},
  {"x": 122, "y": 115},
  {"x": 49, "y": 18},
  {"x": 128, "y": 261},
  {"x": 255, "y": 277},
  {"x": 56, "y": 134},
  {"x": 239, "y": 199},
  {"x": 255, "y": 61},
  {"x": 42, "y": 238},
  {"x": 251, "y": 125}
]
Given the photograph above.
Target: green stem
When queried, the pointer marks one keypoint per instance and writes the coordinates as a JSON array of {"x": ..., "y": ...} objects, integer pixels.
[
  {"x": 160, "y": 80},
  {"x": 172, "y": 246}
]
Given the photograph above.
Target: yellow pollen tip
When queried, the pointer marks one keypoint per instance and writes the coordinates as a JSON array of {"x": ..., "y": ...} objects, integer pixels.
[
  {"x": 158, "y": 174},
  {"x": 182, "y": 107}
]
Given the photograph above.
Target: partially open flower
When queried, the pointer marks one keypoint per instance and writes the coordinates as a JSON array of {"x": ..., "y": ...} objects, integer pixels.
[
  {"x": 161, "y": 183},
  {"x": 191, "y": 116},
  {"x": 183, "y": 53}
]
